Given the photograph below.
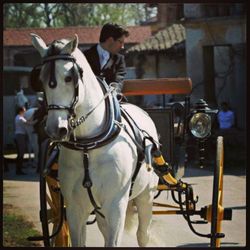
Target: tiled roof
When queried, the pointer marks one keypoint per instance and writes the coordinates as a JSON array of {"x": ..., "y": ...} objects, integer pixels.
[
  {"x": 86, "y": 35},
  {"x": 162, "y": 40}
]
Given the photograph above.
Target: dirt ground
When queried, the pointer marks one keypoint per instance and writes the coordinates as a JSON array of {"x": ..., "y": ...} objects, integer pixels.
[{"x": 166, "y": 231}]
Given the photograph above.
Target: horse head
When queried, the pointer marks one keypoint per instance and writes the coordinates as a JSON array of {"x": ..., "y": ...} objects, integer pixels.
[{"x": 59, "y": 75}]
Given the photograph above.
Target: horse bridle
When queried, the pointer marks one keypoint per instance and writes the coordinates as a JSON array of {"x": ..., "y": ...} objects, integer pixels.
[
  {"x": 77, "y": 70},
  {"x": 71, "y": 109}
]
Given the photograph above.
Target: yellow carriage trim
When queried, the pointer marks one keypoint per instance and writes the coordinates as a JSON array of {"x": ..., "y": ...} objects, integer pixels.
[{"x": 159, "y": 160}]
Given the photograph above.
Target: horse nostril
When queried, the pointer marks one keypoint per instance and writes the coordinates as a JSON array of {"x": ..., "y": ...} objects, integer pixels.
[{"x": 63, "y": 132}]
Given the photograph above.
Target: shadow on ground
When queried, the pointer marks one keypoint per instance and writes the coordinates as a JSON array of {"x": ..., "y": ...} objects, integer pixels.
[{"x": 31, "y": 174}]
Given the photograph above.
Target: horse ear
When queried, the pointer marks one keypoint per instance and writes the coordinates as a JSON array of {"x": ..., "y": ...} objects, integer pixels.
[
  {"x": 39, "y": 44},
  {"x": 70, "y": 46}
]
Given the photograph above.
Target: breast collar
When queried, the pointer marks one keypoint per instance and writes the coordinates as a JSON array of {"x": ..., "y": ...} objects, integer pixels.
[{"x": 110, "y": 130}]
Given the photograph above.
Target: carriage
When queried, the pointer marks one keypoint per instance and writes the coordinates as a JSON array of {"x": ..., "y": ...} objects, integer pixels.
[{"x": 193, "y": 122}]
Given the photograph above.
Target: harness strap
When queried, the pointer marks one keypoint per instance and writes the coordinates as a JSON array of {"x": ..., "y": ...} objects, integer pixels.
[
  {"x": 52, "y": 81},
  {"x": 138, "y": 167},
  {"x": 83, "y": 118},
  {"x": 140, "y": 145},
  {"x": 87, "y": 183},
  {"x": 140, "y": 158},
  {"x": 91, "y": 197},
  {"x": 139, "y": 141},
  {"x": 111, "y": 129}
]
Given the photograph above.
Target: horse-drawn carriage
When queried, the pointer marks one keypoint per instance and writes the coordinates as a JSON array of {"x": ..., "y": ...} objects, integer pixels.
[{"x": 90, "y": 174}]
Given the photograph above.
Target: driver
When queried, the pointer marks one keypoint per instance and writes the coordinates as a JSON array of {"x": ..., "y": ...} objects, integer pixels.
[{"x": 104, "y": 58}]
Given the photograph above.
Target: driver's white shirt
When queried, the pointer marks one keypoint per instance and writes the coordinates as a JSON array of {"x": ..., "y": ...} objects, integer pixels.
[{"x": 103, "y": 55}]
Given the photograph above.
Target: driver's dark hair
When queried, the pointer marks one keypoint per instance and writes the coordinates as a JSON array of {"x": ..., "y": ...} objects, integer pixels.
[{"x": 112, "y": 30}]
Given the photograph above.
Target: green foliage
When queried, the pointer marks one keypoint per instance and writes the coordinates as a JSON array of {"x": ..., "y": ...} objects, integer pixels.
[
  {"x": 21, "y": 15},
  {"x": 125, "y": 14},
  {"x": 16, "y": 229},
  {"x": 18, "y": 15}
]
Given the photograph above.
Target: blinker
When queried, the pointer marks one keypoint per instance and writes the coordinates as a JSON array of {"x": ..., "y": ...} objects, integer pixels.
[
  {"x": 35, "y": 82},
  {"x": 52, "y": 80}
]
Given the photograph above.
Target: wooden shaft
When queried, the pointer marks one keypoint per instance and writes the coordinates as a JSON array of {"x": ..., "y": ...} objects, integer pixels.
[
  {"x": 157, "y": 204},
  {"x": 167, "y": 212},
  {"x": 157, "y": 86}
]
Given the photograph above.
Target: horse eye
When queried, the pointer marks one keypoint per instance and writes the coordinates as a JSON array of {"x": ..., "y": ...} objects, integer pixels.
[{"x": 68, "y": 79}]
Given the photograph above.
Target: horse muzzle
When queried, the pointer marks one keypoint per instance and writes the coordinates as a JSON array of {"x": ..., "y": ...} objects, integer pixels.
[{"x": 58, "y": 130}]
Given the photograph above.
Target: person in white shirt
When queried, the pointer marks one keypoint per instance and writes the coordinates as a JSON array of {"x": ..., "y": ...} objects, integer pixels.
[
  {"x": 32, "y": 136},
  {"x": 103, "y": 55},
  {"x": 20, "y": 139}
]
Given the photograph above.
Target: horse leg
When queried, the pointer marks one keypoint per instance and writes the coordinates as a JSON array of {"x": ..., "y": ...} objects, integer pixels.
[
  {"x": 77, "y": 217},
  {"x": 78, "y": 205},
  {"x": 116, "y": 214},
  {"x": 144, "y": 207},
  {"x": 102, "y": 225},
  {"x": 78, "y": 209}
]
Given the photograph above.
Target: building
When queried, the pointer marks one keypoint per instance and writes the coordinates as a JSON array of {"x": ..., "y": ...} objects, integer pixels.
[
  {"x": 160, "y": 56},
  {"x": 216, "y": 54}
]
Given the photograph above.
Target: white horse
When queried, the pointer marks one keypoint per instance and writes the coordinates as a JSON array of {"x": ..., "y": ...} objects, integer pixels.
[{"x": 110, "y": 166}]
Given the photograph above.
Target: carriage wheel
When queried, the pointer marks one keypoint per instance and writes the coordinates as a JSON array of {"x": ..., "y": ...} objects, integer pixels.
[
  {"x": 217, "y": 209},
  {"x": 51, "y": 212}
]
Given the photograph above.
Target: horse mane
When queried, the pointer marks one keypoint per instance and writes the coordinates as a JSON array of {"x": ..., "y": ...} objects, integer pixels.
[{"x": 56, "y": 47}]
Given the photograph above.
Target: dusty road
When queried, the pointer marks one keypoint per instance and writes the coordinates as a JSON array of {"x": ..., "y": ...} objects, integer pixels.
[{"x": 167, "y": 230}]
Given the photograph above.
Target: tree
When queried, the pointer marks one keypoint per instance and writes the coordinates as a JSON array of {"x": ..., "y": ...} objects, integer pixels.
[
  {"x": 21, "y": 15},
  {"x": 97, "y": 14},
  {"x": 72, "y": 14},
  {"x": 49, "y": 11}
]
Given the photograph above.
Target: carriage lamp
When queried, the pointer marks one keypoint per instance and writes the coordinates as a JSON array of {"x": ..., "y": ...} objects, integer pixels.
[
  {"x": 200, "y": 122},
  {"x": 200, "y": 126}
]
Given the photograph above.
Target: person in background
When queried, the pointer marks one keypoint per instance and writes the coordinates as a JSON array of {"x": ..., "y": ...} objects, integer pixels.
[
  {"x": 32, "y": 136},
  {"x": 40, "y": 116},
  {"x": 227, "y": 129},
  {"x": 20, "y": 139},
  {"x": 225, "y": 117},
  {"x": 104, "y": 58}
]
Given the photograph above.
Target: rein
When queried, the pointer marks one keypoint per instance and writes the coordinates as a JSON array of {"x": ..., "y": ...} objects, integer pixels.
[{"x": 75, "y": 123}]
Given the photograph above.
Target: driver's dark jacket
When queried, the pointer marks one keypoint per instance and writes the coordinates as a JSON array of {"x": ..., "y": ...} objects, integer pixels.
[{"x": 113, "y": 71}]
